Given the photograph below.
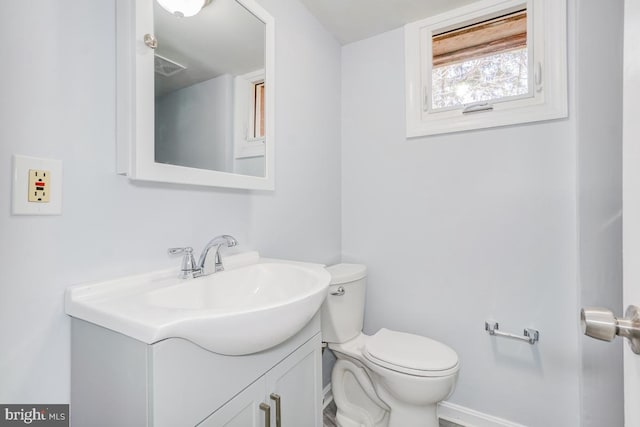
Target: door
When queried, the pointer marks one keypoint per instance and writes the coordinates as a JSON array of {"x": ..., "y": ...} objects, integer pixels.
[
  {"x": 244, "y": 410},
  {"x": 295, "y": 384},
  {"x": 601, "y": 323},
  {"x": 631, "y": 199}
]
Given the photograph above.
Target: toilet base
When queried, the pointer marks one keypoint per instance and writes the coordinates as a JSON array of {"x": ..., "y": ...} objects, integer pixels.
[
  {"x": 414, "y": 416},
  {"x": 344, "y": 421},
  {"x": 356, "y": 400},
  {"x": 362, "y": 402}
]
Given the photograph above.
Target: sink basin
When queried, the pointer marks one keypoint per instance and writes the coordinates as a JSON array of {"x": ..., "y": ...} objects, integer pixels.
[{"x": 253, "y": 305}]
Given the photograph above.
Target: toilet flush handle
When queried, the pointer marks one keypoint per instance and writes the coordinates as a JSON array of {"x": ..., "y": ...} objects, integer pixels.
[{"x": 339, "y": 292}]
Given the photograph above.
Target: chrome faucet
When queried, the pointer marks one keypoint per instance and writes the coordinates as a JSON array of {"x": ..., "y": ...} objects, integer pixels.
[
  {"x": 189, "y": 269},
  {"x": 216, "y": 242}
]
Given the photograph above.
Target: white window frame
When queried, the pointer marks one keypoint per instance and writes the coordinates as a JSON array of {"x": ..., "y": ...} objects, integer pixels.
[
  {"x": 245, "y": 145},
  {"x": 547, "y": 44}
]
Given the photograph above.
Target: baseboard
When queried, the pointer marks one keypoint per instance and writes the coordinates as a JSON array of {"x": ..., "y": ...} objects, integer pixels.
[
  {"x": 450, "y": 412},
  {"x": 470, "y": 418},
  {"x": 327, "y": 396}
]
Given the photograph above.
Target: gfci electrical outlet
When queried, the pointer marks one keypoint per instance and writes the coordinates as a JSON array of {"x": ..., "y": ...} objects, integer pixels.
[{"x": 37, "y": 186}]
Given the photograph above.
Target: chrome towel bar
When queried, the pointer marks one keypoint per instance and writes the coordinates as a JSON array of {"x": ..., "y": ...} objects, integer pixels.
[{"x": 529, "y": 335}]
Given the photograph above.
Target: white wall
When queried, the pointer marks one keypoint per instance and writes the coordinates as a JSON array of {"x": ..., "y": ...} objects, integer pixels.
[
  {"x": 253, "y": 166},
  {"x": 599, "y": 126},
  {"x": 58, "y": 101},
  {"x": 194, "y": 125},
  {"x": 461, "y": 228}
]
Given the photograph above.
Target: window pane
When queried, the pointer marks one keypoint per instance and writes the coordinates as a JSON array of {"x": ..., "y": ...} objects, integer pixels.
[
  {"x": 487, "y": 78},
  {"x": 483, "y": 61},
  {"x": 258, "y": 110}
]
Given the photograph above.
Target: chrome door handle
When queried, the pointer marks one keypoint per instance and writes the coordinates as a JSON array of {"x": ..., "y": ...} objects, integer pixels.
[
  {"x": 339, "y": 292},
  {"x": 267, "y": 414},
  {"x": 277, "y": 399},
  {"x": 601, "y": 324}
]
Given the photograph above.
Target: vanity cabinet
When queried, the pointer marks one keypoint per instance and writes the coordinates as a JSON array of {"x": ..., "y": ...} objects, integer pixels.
[
  {"x": 292, "y": 384},
  {"x": 116, "y": 380},
  {"x": 243, "y": 410}
]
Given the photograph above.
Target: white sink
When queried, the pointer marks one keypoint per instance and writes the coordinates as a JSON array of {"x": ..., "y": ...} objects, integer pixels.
[{"x": 253, "y": 305}]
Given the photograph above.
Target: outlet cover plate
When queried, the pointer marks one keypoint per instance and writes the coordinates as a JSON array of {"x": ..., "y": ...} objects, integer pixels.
[{"x": 20, "y": 201}]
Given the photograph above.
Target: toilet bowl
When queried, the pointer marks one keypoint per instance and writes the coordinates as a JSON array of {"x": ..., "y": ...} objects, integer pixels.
[{"x": 388, "y": 379}]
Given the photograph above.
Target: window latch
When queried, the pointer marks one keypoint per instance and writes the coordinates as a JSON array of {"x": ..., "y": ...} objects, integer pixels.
[
  {"x": 477, "y": 107},
  {"x": 425, "y": 99},
  {"x": 538, "y": 77}
]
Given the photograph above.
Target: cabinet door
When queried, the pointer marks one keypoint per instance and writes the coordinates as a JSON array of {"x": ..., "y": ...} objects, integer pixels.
[
  {"x": 298, "y": 382},
  {"x": 241, "y": 411}
]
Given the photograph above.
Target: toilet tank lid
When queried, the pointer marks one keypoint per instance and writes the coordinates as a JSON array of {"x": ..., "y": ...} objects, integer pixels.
[{"x": 345, "y": 273}]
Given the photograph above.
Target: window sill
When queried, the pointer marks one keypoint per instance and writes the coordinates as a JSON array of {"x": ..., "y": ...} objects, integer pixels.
[
  {"x": 501, "y": 115},
  {"x": 250, "y": 148}
]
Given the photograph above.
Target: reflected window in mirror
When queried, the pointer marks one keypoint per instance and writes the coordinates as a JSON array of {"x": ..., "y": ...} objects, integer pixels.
[
  {"x": 258, "y": 110},
  {"x": 249, "y": 115}
]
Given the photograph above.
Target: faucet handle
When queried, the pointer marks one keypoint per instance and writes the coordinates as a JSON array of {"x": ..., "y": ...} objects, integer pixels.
[
  {"x": 188, "y": 267},
  {"x": 180, "y": 251}
]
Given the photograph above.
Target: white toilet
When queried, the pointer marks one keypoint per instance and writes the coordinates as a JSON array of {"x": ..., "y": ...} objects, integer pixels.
[{"x": 389, "y": 379}]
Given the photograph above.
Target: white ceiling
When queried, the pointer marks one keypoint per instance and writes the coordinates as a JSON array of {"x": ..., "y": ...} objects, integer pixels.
[{"x": 353, "y": 20}]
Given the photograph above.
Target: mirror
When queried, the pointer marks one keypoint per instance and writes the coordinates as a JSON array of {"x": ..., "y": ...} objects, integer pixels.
[
  {"x": 202, "y": 94},
  {"x": 201, "y": 69}
]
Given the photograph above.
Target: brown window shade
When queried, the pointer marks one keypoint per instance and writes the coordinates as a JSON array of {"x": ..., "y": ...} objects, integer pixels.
[
  {"x": 496, "y": 35},
  {"x": 258, "y": 113}
]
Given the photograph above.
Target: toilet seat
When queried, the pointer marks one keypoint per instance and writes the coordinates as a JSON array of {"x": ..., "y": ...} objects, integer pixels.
[{"x": 410, "y": 354}]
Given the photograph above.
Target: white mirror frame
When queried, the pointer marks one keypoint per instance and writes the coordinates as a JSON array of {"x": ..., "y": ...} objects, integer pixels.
[{"x": 135, "y": 104}]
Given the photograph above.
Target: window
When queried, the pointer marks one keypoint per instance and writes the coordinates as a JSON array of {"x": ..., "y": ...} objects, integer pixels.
[
  {"x": 492, "y": 63},
  {"x": 258, "y": 110},
  {"x": 249, "y": 115},
  {"x": 487, "y": 61}
]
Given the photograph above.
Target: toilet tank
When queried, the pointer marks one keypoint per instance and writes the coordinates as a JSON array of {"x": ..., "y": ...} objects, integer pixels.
[{"x": 343, "y": 315}]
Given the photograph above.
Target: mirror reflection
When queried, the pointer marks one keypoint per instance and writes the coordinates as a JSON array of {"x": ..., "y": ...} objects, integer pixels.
[{"x": 209, "y": 89}]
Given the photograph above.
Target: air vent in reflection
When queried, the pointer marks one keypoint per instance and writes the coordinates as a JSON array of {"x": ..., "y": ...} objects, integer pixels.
[{"x": 167, "y": 67}]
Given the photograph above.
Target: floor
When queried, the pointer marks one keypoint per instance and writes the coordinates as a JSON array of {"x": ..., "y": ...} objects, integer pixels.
[{"x": 329, "y": 417}]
